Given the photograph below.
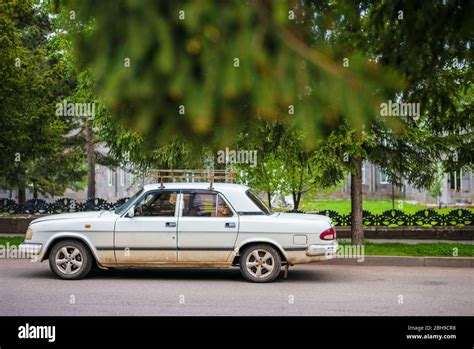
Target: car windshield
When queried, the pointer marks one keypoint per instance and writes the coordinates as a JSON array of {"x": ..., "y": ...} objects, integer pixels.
[
  {"x": 258, "y": 202},
  {"x": 124, "y": 207}
]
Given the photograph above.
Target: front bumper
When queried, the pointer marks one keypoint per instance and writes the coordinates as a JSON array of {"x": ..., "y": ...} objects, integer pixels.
[
  {"x": 30, "y": 249},
  {"x": 329, "y": 251}
]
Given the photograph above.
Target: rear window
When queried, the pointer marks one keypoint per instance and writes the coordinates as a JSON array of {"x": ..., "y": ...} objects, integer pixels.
[
  {"x": 258, "y": 202},
  {"x": 205, "y": 205}
]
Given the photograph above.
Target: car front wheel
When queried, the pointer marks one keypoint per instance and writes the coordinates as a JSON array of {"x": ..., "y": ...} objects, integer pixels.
[
  {"x": 260, "y": 263},
  {"x": 70, "y": 260}
]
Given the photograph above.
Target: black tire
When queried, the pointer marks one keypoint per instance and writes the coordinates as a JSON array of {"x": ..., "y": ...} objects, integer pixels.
[
  {"x": 83, "y": 258},
  {"x": 251, "y": 273}
]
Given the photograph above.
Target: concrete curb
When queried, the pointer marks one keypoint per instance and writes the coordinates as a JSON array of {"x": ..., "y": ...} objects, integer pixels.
[{"x": 404, "y": 261}]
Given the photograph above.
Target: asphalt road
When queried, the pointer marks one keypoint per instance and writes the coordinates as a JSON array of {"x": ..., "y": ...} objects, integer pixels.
[{"x": 30, "y": 289}]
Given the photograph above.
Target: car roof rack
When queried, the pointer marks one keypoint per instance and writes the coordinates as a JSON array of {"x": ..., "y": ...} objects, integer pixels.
[{"x": 203, "y": 175}]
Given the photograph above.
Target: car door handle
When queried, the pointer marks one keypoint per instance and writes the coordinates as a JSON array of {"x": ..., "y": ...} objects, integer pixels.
[
  {"x": 230, "y": 225},
  {"x": 170, "y": 224}
]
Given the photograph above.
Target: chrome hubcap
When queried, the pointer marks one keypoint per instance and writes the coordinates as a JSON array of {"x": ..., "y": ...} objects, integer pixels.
[
  {"x": 260, "y": 263},
  {"x": 69, "y": 260}
]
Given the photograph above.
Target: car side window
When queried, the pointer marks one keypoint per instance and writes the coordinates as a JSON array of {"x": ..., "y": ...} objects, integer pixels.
[
  {"x": 160, "y": 204},
  {"x": 205, "y": 205}
]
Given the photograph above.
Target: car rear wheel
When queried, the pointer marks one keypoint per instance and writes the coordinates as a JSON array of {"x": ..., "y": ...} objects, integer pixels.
[
  {"x": 260, "y": 263},
  {"x": 70, "y": 260}
]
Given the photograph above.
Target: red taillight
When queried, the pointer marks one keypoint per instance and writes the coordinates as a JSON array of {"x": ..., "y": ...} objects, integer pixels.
[{"x": 328, "y": 234}]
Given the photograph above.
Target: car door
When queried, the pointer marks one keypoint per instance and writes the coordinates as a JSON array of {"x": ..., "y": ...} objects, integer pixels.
[
  {"x": 150, "y": 235},
  {"x": 207, "y": 227}
]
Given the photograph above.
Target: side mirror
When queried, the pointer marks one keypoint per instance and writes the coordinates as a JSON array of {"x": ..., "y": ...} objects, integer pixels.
[{"x": 131, "y": 212}]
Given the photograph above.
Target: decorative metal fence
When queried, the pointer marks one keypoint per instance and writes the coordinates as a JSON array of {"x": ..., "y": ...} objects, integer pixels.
[
  {"x": 390, "y": 218},
  {"x": 396, "y": 218}
]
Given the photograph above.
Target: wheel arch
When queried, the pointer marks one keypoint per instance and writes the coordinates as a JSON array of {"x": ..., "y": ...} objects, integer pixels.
[
  {"x": 68, "y": 236},
  {"x": 248, "y": 243}
]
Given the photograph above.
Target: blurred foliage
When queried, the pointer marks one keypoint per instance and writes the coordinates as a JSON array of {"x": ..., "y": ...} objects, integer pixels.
[
  {"x": 175, "y": 80},
  {"x": 226, "y": 63}
]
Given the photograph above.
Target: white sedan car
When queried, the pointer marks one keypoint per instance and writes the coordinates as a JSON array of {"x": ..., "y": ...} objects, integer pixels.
[{"x": 184, "y": 225}]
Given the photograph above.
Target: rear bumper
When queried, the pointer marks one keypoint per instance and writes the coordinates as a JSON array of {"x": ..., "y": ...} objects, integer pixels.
[
  {"x": 328, "y": 251},
  {"x": 313, "y": 253}
]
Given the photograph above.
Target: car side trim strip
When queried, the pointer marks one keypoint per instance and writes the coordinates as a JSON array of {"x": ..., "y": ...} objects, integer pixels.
[
  {"x": 205, "y": 248},
  {"x": 106, "y": 248}
]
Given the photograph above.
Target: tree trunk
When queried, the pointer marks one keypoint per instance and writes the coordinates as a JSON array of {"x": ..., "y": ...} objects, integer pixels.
[
  {"x": 296, "y": 200},
  {"x": 35, "y": 193},
  {"x": 90, "y": 162},
  {"x": 269, "y": 198},
  {"x": 21, "y": 195},
  {"x": 357, "y": 229}
]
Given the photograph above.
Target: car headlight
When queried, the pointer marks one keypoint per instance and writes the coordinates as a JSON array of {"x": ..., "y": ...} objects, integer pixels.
[{"x": 29, "y": 234}]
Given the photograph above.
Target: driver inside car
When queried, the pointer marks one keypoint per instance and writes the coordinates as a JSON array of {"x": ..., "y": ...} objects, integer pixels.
[{"x": 162, "y": 204}]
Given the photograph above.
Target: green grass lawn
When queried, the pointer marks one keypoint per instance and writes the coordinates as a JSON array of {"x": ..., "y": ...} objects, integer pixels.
[
  {"x": 12, "y": 240},
  {"x": 417, "y": 250},
  {"x": 374, "y": 206}
]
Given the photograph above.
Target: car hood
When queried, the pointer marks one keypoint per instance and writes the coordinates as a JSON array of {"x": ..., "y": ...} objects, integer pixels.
[
  {"x": 75, "y": 215},
  {"x": 304, "y": 216}
]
